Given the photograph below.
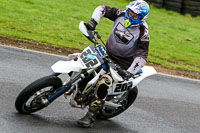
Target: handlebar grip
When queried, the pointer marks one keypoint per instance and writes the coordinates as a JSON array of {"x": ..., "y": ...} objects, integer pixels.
[{"x": 123, "y": 73}]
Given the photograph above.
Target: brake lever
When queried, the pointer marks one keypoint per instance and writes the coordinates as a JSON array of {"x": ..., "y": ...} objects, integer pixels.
[{"x": 91, "y": 36}]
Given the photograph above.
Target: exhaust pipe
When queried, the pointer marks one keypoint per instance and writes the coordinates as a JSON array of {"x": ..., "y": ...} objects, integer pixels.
[{"x": 112, "y": 105}]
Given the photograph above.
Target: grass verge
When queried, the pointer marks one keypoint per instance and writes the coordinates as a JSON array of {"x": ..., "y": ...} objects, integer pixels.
[{"x": 175, "y": 41}]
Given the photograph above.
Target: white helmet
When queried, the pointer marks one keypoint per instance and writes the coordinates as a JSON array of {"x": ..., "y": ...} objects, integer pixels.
[{"x": 136, "y": 13}]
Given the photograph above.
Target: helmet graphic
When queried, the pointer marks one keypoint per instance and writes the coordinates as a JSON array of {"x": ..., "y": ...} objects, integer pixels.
[{"x": 136, "y": 13}]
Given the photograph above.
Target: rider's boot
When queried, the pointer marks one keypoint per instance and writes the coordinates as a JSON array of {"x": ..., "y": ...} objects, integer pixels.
[
  {"x": 89, "y": 119},
  {"x": 100, "y": 93}
]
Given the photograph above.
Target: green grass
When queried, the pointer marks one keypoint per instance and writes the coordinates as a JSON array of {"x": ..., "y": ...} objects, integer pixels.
[
  {"x": 169, "y": 34},
  {"x": 56, "y": 22}
]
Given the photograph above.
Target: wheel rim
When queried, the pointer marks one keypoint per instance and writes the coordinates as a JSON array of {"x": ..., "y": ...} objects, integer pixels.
[
  {"x": 126, "y": 102},
  {"x": 109, "y": 112},
  {"x": 35, "y": 102}
]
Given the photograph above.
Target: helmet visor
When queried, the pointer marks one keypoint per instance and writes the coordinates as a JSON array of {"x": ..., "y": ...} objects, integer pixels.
[{"x": 132, "y": 16}]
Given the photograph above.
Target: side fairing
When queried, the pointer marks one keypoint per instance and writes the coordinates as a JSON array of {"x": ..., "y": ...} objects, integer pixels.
[{"x": 121, "y": 87}]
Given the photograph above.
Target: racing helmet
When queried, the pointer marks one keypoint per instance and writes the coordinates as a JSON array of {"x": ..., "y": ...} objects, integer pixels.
[{"x": 136, "y": 13}]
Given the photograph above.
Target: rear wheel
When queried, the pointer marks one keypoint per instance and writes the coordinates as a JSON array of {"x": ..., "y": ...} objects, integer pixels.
[
  {"x": 106, "y": 113},
  {"x": 32, "y": 98}
]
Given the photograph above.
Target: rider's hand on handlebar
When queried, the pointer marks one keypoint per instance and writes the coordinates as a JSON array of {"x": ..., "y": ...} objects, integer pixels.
[
  {"x": 91, "y": 24},
  {"x": 125, "y": 74}
]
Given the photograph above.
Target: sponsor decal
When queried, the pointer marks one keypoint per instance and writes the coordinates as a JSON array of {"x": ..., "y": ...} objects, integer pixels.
[
  {"x": 145, "y": 37},
  {"x": 122, "y": 34}
]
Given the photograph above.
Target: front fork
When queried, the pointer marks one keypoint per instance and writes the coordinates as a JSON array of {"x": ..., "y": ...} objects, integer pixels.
[
  {"x": 58, "y": 92},
  {"x": 66, "y": 87}
]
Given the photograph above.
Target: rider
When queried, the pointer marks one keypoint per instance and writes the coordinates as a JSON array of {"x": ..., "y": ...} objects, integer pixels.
[{"x": 127, "y": 45}]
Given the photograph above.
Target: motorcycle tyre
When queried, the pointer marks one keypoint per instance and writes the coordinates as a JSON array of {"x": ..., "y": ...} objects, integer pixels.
[
  {"x": 30, "y": 90},
  {"x": 132, "y": 96}
]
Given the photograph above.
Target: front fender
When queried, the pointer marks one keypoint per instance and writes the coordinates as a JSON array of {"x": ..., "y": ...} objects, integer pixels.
[{"x": 67, "y": 66}]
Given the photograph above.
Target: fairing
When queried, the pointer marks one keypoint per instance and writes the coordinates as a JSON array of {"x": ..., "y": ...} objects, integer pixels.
[
  {"x": 121, "y": 87},
  {"x": 89, "y": 58}
]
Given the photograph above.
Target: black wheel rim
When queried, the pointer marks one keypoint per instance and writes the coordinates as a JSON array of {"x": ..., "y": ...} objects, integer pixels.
[
  {"x": 110, "y": 112},
  {"x": 35, "y": 101}
]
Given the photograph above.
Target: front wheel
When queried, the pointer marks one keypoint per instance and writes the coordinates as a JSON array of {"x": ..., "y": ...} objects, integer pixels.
[
  {"x": 106, "y": 113},
  {"x": 31, "y": 98}
]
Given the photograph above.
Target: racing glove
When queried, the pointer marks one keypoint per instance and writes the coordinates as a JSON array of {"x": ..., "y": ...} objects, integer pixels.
[
  {"x": 124, "y": 74},
  {"x": 91, "y": 24},
  {"x": 137, "y": 64}
]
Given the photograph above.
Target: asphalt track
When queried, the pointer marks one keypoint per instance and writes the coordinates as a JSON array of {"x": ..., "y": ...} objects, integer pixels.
[{"x": 165, "y": 104}]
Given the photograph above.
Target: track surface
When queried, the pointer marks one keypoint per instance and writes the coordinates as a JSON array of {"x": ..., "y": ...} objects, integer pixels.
[{"x": 164, "y": 104}]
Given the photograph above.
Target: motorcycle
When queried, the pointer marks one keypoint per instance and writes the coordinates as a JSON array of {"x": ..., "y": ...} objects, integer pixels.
[{"x": 83, "y": 70}]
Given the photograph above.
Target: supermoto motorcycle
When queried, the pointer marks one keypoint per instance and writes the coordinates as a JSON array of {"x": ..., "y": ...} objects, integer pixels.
[{"x": 83, "y": 70}]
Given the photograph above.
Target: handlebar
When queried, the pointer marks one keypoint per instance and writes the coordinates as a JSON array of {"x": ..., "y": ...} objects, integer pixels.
[{"x": 93, "y": 36}]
